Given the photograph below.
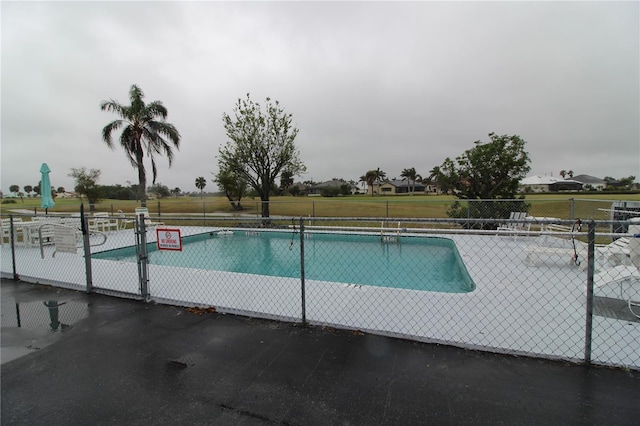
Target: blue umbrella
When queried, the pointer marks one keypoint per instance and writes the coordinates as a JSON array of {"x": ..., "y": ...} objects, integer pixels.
[{"x": 45, "y": 188}]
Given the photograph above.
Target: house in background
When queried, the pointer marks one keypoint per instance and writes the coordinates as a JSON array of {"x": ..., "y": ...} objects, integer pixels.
[
  {"x": 591, "y": 182},
  {"x": 394, "y": 186},
  {"x": 548, "y": 184},
  {"x": 316, "y": 190}
]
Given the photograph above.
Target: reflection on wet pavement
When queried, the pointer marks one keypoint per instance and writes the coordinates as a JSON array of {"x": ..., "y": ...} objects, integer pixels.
[{"x": 33, "y": 325}]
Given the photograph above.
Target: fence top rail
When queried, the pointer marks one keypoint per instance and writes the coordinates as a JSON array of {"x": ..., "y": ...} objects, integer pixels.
[{"x": 531, "y": 220}]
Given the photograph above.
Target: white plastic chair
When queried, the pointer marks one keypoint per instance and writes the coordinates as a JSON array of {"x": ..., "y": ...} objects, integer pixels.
[{"x": 147, "y": 219}]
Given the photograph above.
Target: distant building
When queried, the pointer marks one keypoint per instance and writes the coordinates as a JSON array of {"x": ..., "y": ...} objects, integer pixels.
[
  {"x": 549, "y": 184},
  {"x": 591, "y": 182},
  {"x": 66, "y": 194},
  {"x": 401, "y": 187},
  {"x": 334, "y": 183}
]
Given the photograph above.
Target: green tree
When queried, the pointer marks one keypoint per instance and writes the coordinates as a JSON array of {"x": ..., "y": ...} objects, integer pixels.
[
  {"x": 627, "y": 182},
  {"x": 200, "y": 184},
  {"x": 411, "y": 176},
  {"x": 117, "y": 192},
  {"x": 16, "y": 190},
  {"x": 87, "y": 185},
  {"x": 286, "y": 180},
  {"x": 488, "y": 171},
  {"x": 294, "y": 191},
  {"x": 444, "y": 176},
  {"x": 613, "y": 183},
  {"x": 176, "y": 191},
  {"x": 28, "y": 189},
  {"x": 144, "y": 131},
  {"x": 233, "y": 186},
  {"x": 159, "y": 190},
  {"x": 261, "y": 145},
  {"x": 345, "y": 189},
  {"x": 60, "y": 189}
]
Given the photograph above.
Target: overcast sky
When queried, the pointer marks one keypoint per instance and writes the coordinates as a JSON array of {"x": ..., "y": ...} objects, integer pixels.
[{"x": 369, "y": 84}]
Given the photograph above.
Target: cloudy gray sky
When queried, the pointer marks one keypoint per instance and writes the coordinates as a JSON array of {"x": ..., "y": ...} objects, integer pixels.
[{"x": 370, "y": 84}]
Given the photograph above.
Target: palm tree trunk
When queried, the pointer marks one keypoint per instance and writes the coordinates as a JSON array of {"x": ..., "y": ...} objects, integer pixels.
[{"x": 142, "y": 181}]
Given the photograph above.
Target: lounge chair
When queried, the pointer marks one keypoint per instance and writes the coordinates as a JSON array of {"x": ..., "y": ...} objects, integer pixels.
[
  {"x": 627, "y": 277},
  {"x": 627, "y": 280},
  {"x": 558, "y": 243},
  {"x": 566, "y": 246},
  {"x": 124, "y": 221},
  {"x": 101, "y": 221},
  {"x": 516, "y": 224},
  {"x": 147, "y": 219},
  {"x": 615, "y": 253}
]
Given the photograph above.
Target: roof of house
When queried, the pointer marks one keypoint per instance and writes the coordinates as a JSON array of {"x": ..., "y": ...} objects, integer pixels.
[
  {"x": 403, "y": 183},
  {"x": 589, "y": 179},
  {"x": 330, "y": 183},
  {"x": 545, "y": 180},
  {"x": 538, "y": 180}
]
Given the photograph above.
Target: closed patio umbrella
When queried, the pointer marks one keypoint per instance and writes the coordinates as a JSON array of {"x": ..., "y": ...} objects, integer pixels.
[{"x": 45, "y": 188}]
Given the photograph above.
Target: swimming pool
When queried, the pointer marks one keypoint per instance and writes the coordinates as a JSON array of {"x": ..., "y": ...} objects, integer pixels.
[{"x": 415, "y": 263}]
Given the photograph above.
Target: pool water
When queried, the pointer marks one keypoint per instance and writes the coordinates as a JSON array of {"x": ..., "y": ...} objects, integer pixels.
[{"x": 416, "y": 263}]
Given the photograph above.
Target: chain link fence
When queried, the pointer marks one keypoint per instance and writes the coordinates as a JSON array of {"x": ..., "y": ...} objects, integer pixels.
[{"x": 553, "y": 281}]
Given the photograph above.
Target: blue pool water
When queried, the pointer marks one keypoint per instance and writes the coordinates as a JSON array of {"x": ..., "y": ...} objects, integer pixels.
[{"x": 416, "y": 263}]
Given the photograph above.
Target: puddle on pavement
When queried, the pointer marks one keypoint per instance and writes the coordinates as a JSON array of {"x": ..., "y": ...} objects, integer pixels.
[
  {"x": 31, "y": 326},
  {"x": 53, "y": 315}
]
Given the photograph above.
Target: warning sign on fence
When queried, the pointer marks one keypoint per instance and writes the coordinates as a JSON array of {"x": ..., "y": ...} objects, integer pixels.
[{"x": 169, "y": 239}]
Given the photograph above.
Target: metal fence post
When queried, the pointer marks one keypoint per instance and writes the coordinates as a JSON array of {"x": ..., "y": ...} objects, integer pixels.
[
  {"x": 302, "y": 283},
  {"x": 589, "y": 313},
  {"x": 13, "y": 247},
  {"x": 143, "y": 265},
  {"x": 87, "y": 250}
]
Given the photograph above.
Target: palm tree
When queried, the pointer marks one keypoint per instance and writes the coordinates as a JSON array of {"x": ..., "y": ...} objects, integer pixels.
[
  {"x": 380, "y": 175},
  {"x": 145, "y": 130},
  {"x": 436, "y": 177},
  {"x": 363, "y": 180},
  {"x": 411, "y": 176},
  {"x": 370, "y": 177},
  {"x": 200, "y": 184}
]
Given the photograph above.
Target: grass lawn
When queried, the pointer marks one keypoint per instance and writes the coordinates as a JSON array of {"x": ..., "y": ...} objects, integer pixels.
[{"x": 584, "y": 205}]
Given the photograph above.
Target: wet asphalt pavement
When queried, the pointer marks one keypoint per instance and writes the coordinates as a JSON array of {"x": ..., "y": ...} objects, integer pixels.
[{"x": 69, "y": 358}]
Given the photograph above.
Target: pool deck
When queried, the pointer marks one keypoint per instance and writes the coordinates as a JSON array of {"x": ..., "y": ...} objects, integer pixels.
[{"x": 515, "y": 309}]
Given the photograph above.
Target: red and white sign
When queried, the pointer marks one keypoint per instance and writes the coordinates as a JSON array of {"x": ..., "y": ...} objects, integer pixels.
[{"x": 168, "y": 239}]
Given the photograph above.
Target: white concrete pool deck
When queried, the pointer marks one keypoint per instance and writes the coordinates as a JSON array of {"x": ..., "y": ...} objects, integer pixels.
[{"x": 515, "y": 308}]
